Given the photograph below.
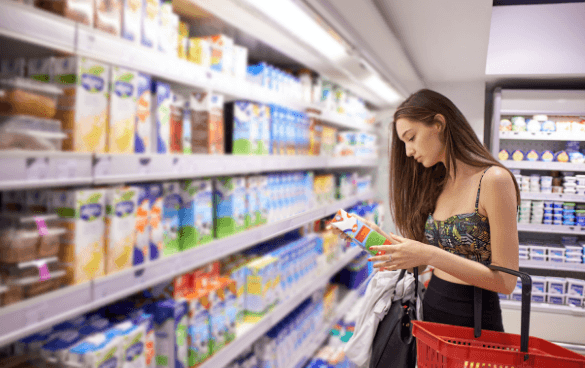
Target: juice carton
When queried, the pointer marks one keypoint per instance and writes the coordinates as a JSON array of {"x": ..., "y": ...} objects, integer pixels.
[
  {"x": 133, "y": 344},
  {"x": 83, "y": 108},
  {"x": 207, "y": 135},
  {"x": 131, "y": 19},
  {"x": 222, "y": 49},
  {"x": 176, "y": 131},
  {"x": 164, "y": 26},
  {"x": 361, "y": 234},
  {"x": 230, "y": 206},
  {"x": 238, "y": 274},
  {"x": 263, "y": 198},
  {"x": 239, "y": 119},
  {"x": 199, "y": 333},
  {"x": 172, "y": 204},
  {"x": 162, "y": 116},
  {"x": 199, "y": 52},
  {"x": 183, "y": 40},
  {"x": 150, "y": 18},
  {"x": 82, "y": 214},
  {"x": 187, "y": 129},
  {"x": 155, "y": 194},
  {"x": 171, "y": 321},
  {"x": 231, "y": 307},
  {"x": 108, "y": 16},
  {"x": 254, "y": 128},
  {"x": 218, "y": 325},
  {"x": 143, "y": 129},
  {"x": 258, "y": 284},
  {"x": 197, "y": 213},
  {"x": 240, "y": 63},
  {"x": 263, "y": 147},
  {"x": 121, "y": 203},
  {"x": 122, "y": 111},
  {"x": 147, "y": 320},
  {"x": 142, "y": 226},
  {"x": 253, "y": 218},
  {"x": 40, "y": 69}
]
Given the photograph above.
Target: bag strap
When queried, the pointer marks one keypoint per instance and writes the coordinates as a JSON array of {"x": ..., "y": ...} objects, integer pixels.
[{"x": 415, "y": 272}]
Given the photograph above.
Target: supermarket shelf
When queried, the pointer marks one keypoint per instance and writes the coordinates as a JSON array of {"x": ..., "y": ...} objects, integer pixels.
[
  {"x": 553, "y": 197},
  {"x": 115, "y": 168},
  {"x": 341, "y": 121},
  {"x": 36, "y": 314},
  {"x": 544, "y": 307},
  {"x": 509, "y": 112},
  {"x": 544, "y": 136},
  {"x": 539, "y": 165},
  {"x": 34, "y": 169},
  {"x": 551, "y": 229},
  {"x": 578, "y": 267},
  {"x": 253, "y": 332}
]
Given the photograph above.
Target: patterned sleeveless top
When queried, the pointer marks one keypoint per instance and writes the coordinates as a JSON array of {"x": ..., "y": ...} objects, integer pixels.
[{"x": 466, "y": 235}]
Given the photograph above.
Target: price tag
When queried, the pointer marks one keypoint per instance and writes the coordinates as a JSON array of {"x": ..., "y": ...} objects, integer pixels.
[
  {"x": 86, "y": 41},
  {"x": 144, "y": 166},
  {"x": 102, "y": 166},
  {"x": 139, "y": 277},
  {"x": 36, "y": 314},
  {"x": 177, "y": 165},
  {"x": 209, "y": 75},
  {"x": 37, "y": 168},
  {"x": 66, "y": 169},
  {"x": 41, "y": 226}
]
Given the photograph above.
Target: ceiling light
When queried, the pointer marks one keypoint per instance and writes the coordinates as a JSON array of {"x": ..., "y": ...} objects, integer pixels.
[
  {"x": 382, "y": 89},
  {"x": 296, "y": 21}
]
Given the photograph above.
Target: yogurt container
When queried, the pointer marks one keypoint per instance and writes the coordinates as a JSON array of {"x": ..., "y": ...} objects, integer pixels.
[
  {"x": 539, "y": 297},
  {"x": 516, "y": 295},
  {"x": 570, "y": 190},
  {"x": 580, "y": 179},
  {"x": 575, "y": 287},
  {"x": 546, "y": 181},
  {"x": 574, "y": 301},
  {"x": 547, "y": 222},
  {"x": 556, "y": 251},
  {"x": 569, "y": 206},
  {"x": 570, "y": 180},
  {"x": 555, "y": 299},
  {"x": 557, "y": 259},
  {"x": 547, "y": 190},
  {"x": 547, "y": 217},
  {"x": 556, "y": 285},
  {"x": 557, "y": 222},
  {"x": 557, "y": 189},
  {"x": 558, "y": 204},
  {"x": 580, "y": 189},
  {"x": 539, "y": 258}
]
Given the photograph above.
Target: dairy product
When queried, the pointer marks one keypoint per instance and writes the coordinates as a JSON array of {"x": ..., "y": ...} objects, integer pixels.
[
  {"x": 199, "y": 52},
  {"x": 131, "y": 18},
  {"x": 231, "y": 306},
  {"x": 133, "y": 344},
  {"x": 122, "y": 111},
  {"x": 240, "y": 62},
  {"x": 142, "y": 226},
  {"x": 108, "y": 16},
  {"x": 263, "y": 198},
  {"x": 172, "y": 203},
  {"x": 40, "y": 69},
  {"x": 207, "y": 134},
  {"x": 171, "y": 321},
  {"x": 197, "y": 213},
  {"x": 83, "y": 108},
  {"x": 186, "y": 130},
  {"x": 238, "y": 274},
  {"x": 239, "y": 131},
  {"x": 263, "y": 144},
  {"x": 121, "y": 203},
  {"x": 155, "y": 195},
  {"x": 199, "y": 333},
  {"x": 230, "y": 206},
  {"x": 222, "y": 49},
  {"x": 162, "y": 116},
  {"x": 362, "y": 234},
  {"x": 259, "y": 279},
  {"x": 143, "y": 129},
  {"x": 164, "y": 25},
  {"x": 56, "y": 350},
  {"x": 147, "y": 320},
  {"x": 150, "y": 19},
  {"x": 82, "y": 214},
  {"x": 218, "y": 326},
  {"x": 253, "y": 199}
]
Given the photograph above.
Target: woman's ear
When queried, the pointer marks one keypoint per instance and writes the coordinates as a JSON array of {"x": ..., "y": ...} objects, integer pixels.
[{"x": 440, "y": 123}]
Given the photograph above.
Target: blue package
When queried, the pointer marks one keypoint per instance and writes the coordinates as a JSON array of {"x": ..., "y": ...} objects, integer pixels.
[{"x": 538, "y": 298}]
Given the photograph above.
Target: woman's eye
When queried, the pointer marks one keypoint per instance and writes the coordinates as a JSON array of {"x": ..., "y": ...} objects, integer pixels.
[{"x": 411, "y": 139}]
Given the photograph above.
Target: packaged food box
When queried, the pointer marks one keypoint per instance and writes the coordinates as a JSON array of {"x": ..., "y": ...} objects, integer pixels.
[
  {"x": 142, "y": 225},
  {"x": 121, "y": 206},
  {"x": 263, "y": 198},
  {"x": 238, "y": 275},
  {"x": 133, "y": 344},
  {"x": 83, "y": 109},
  {"x": 176, "y": 122},
  {"x": 231, "y": 306},
  {"x": 108, "y": 16},
  {"x": 240, "y": 63},
  {"x": 222, "y": 49},
  {"x": 183, "y": 40},
  {"x": 82, "y": 214},
  {"x": 122, "y": 117},
  {"x": 172, "y": 203},
  {"x": 207, "y": 123},
  {"x": 362, "y": 234},
  {"x": 218, "y": 325},
  {"x": 57, "y": 350},
  {"x": 259, "y": 277},
  {"x": 162, "y": 116},
  {"x": 199, "y": 333},
  {"x": 40, "y": 69},
  {"x": 239, "y": 131},
  {"x": 230, "y": 206},
  {"x": 103, "y": 349},
  {"x": 199, "y": 51},
  {"x": 171, "y": 323},
  {"x": 150, "y": 23},
  {"x": 155, "y": 194},
  {"x": 21, "y": 96},
  {"x": 143, "y": 130},
  {"x": 197, "y": 213},
  {"x": 264, "y": 119},
  {"x": 147, "y": 320},
  {"x": 81, "y": 11},
  {"x": 131, "y": 19},
  {"x": 167, "y": 30},
  {"x": 252, "y": 198}
]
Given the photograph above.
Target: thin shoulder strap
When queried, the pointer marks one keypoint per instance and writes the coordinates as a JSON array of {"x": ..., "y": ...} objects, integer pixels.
[{"x": 479, "y": 188}]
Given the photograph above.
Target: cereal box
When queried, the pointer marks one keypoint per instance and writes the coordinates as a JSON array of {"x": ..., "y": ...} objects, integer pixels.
[
  {"x": 143, "y": 129},
  {"x": 122, "y": 111},
  {"x": 172, "y": 203},
  {"x": 121, "y": 203}
]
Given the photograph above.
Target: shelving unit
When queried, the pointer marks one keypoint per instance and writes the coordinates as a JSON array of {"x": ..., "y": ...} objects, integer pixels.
[
  {"x": 552, "y": 229},
  {"x": 248, "y": 333},
  {"x": 578, "y": 267},
  {"x": 539, "y": 165},
  {"x": 545, "y": 308},
  {"x": 544, "y": 136},
  {"x": 553, "y": 197}
]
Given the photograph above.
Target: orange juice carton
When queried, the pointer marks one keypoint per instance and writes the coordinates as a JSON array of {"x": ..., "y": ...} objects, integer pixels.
[
  {"x": 360, "y": 233},
  {"x": 143, "y": 128},
  {"x": 122, "y": 117},
  {"x": 156, "y": 236},
  {"x": 82, "y": 214},
  {"x": 150, "y": 19},
  {"x": 198, "y": 331},
  {"x": 131, "y": 19},
  {"x": 83, "y": 108},
  {"x": 121, "y": 203},
  {"x": 199, "y": 51},
  {"x": 108, "y": 16}
]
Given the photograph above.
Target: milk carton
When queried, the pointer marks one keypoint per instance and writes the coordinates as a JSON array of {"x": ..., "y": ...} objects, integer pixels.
[
  {"x": 155, "y": 194},
  {"x": 222, "y": 53},
  {"x": 207, "y": 121},
  {"x": 199, "y": 333},
  {"x": 231, "y": 307},
  {"x": 187, "y": 214},
  {"x": 147, "y": 320},
  {"x": 56, "y": 350},
  {"x": 239, "y": 119},
  {"x": 263, "y": 198},
  {"x": 171, "y": 321},
  {"x": 142, "y": 226},
  {"x": 263, "y": 146},
  {"x": 121, "y": 205},
  {"x": 131, "y": 19},
  {"x": 96, "y": 351},
  {"x": 150, "y": 19},
  {"x": 252, "y": 197},
  {"x": 82, "y": 214},
  {"x": 172, "y": 203},
  {"x": 143, "y": 128},
  {"x": 238, "y": 274},
  {"x": 230, "y": 206},
  {"x": 83, "y": 108},
  {"x": 259, "y": 277},
  {"x": 122, "y": 111},
  {"x": 218, "y": 325},
  {"x": 133, "y": 344},
  {"x": 196, "y": 213},
  {"x": 162, "y": 116}
]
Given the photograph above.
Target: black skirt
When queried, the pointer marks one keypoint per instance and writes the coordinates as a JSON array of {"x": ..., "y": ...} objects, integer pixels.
[{"x": 449, "y": 303}]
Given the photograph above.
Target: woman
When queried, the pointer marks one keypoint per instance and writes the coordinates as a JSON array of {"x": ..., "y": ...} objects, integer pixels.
[{"x": 456, "y": 206}]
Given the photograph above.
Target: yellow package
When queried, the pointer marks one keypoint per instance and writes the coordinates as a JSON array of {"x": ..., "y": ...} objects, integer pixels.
[
  {"x": 82, "y": 215},
  {"x": 83, "y": 108},
  {"x": 122, "y": 116},
  {"x": 199, "y": 52},
  {"x": 183, "y": 41},
  {"x": 121, "y": 203}
]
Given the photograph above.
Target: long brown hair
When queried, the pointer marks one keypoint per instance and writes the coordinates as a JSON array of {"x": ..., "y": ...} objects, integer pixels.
[{"x": 414, "y": 189}]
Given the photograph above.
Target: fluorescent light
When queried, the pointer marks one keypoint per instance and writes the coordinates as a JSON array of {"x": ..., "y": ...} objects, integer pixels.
[
  {"x": 382, "y": 89},
  {"x": 290, "y": 16}
]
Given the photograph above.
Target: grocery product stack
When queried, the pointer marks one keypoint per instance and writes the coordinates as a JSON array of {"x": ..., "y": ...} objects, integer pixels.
[
  {"x": 552, "y": 290},
  {"x": 570, "y": 250}
]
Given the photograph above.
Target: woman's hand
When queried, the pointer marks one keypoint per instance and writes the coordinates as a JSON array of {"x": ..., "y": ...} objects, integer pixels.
[{"x": 402, "y": 254}]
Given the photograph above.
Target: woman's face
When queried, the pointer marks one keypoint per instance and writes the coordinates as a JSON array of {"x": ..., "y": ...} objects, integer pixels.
[{"x": 422, "y": 142}]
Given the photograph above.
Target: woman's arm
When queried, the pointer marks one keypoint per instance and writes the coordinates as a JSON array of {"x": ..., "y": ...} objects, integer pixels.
[{"x": 499, "y": 201}]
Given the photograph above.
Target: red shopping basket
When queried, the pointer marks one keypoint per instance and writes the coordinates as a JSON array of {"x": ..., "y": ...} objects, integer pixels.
[{"x": 446, "y": 346}]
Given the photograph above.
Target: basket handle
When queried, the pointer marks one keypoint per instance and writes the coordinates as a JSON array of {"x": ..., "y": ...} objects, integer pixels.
[{"x": 525, "y": 306}]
